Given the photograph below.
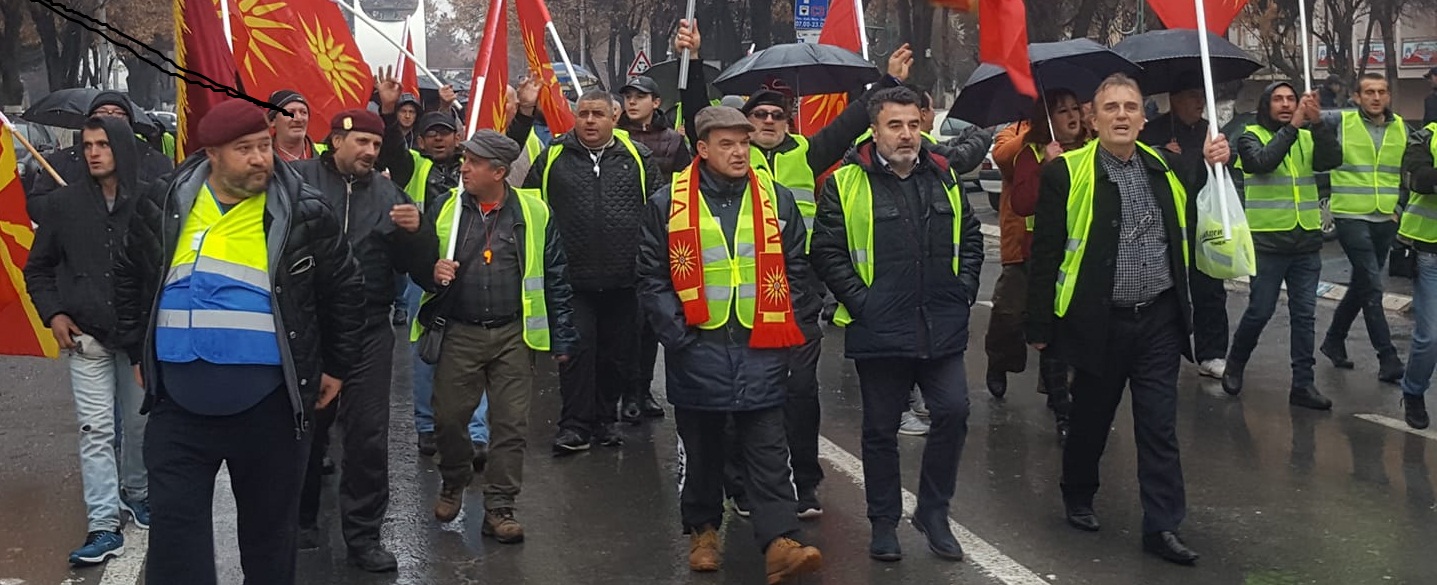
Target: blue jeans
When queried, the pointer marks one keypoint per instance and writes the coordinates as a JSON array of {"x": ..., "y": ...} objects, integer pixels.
[
  {"x": 1424, "y": 326},
  {"x": 424, "y": 386},
  {"x": 1301, "y": 273},
  {"x": 1367, "y": 245},
  {"x": 104, "y": 383}
]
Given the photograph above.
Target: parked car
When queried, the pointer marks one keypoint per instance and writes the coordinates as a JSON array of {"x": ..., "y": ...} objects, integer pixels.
[
  {"x": 986, "y": 177},
  {"x": 171, "y": 120},
  {"x": 1235, "y": 127},
  {"x": 41, "y": 138}
]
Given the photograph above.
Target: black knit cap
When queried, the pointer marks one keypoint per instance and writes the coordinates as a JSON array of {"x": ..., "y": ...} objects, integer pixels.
[
  {"x": 766, "y": 97},
  {"x": 282, "y": 98},
  {"x": 112, "y": 98}
]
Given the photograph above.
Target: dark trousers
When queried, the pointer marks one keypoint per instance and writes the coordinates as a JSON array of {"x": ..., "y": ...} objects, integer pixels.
[
  {"x": 886, "y": 385},
  {"x": 1144, "y": 351},
  {"x": 603, "y": 368},
  {"x": 473, "y": 363},
  {"x": 1301, "y": 272},
  {"x": 1005, "y": 342},
  {"x": 1367, "y": 245},
  {"x": 801, "y": 414},
  {"x": 760, "y": 436},
  {"x": 266, "y": 460},
  {"x": 362, "y": 411},
  {"x": 1209, "y": 299}
]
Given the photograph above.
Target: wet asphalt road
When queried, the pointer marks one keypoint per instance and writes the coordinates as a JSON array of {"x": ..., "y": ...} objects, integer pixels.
[{"x": 1276, "y": 495}]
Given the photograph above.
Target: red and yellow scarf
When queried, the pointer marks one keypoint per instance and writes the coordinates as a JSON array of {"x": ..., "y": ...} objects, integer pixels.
[{"x": 774, "y": 325}]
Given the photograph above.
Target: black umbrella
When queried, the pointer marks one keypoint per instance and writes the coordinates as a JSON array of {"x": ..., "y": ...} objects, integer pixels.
[
  {"x": 1171, "y": 59},
  {"x": 1078, "y": 65},
  {"x": 666, "y": 74},
  {"x": 69, "y": 108},
  {"x": 806, "y": 69}
]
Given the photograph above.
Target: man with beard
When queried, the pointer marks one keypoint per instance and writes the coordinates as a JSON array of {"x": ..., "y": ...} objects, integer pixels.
[
  {"x": 905, "y": 297},
  {"x": 596, "y": 181},
  {"x": 69, "y": 279},
  {"x": 385, "y": 232},
  {"x": 238, "y": 298},
  {"x": 71, "y": 163}
]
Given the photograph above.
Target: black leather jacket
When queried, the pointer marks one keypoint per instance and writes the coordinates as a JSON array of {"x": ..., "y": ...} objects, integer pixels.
[{"x": 316, "y": 288}]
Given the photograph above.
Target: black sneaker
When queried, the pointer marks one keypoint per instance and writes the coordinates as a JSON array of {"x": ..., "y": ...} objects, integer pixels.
[
  {"x": 608, "y": 435},
  {"x": 629, "y": 411},
  {"x": 808, "y": 506},
  {"x": 1415, "y": 407},
  {"x": 1337, "y": 352},
  {"x": 373, "y": 559},
  {"x": 308, "y": 538},
  {"x": 569, "y": 442},
  {"x": 1309, "y": 397},
  {"x": 1391, "y": 369},
  {"x": 740, "y": 505},
  {"x": 650, "y": 408},
  {"x": 400, "y": 317},
  {"x": 481, "y": 456},
  {"x": 428, "y": 446}
]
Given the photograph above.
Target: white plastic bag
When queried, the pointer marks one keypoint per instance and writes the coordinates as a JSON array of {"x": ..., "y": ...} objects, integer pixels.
[{"x": 1224, "y": 242}]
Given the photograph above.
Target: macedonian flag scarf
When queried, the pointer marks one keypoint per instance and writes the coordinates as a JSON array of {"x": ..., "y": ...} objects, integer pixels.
[{"x": 774, "y": 325}]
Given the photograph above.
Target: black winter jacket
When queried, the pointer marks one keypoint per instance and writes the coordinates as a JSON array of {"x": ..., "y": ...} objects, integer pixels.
[
  {"x": 716, "y": 370},
  {"x": 598, "y": 215},
  {"x": 671, "y": 153},
  {"x": 1417, "y": 166},
  {"x": 1259, "y": 159},
  {"x": 70, "y": 269},
  {"x": 558, "y": 295},
  {"x": 316, "y": 287},
  {"x": 916, "y": 306},
  {"x": 380, "y": 246},
  {"x": 1081, "y": 336},
  {"x": 71, "y": 166}
]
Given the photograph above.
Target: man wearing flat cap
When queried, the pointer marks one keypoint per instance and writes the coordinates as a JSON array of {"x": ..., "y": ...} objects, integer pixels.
[
  {"x": 498, "y": 296},
  {"x": 796, "y": 162},
  {"x": 384, "y": 230},
  {"x": 238, "y": 298},
  {"x": 721, "y": 259},
  {"x": 70, "y": 163}
]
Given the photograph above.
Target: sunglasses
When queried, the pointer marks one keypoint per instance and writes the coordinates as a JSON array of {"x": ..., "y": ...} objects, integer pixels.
[{"x": 776, "y": 115}]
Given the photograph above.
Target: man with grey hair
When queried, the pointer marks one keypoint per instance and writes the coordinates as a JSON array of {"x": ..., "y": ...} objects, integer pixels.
[{"x": 485, "y": 312}]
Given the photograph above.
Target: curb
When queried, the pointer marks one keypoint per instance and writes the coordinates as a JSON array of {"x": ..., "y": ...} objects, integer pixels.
[{"x": 1392, "y": 302}]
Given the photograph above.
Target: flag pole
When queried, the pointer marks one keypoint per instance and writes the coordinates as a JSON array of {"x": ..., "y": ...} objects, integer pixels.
[
  {"x": 33, "y": 152},
  {"x": 862, "y": 27},
  {"x": 359, "y": 15},
  {"x": 399, "y": 60},
  {"x": 1306, "y": 51},
  {"x": 684, "y": 60},
  {"x": 1218, "y": 171},
  {"x": 225, "y": 21},
  {"x": 563, "y": 54}
]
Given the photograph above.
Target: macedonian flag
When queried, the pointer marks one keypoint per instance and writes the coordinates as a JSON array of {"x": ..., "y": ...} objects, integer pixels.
[
  {"x": 303, "y": 45},
  {"x": 534, "y": 19},
  {"x": 24, "y": 334},
  {"x": 200, "y": 47}
]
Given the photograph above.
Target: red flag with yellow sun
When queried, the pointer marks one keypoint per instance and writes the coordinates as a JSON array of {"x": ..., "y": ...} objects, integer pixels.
[
  {"x": 303, "y": 45},
  {"x": 25, "y": 333},
  {"x": 533, "y": 21}
]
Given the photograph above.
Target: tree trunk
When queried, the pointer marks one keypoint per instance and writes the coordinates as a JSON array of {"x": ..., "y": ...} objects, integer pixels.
[
  {"x": 145, "y": 82},
  {"x": 64, "y": 48},
  {"x": 12, "y": 92},
  {"x": 1366, "y": 48},
  {"x": 1043, "y": 26},
  {"x": 760, "y": 14},
  {"x": 1389, "y": 45},
  {"x": 920, "y": 39},
  {"x": 1083, "y": 20}
]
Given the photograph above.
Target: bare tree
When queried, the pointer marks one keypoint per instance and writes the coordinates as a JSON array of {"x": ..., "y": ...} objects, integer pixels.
[
  {"x": 1336, "y": 31},
  {"x": 1274, "y": 23},
  {"x": 64, "y": 43}
]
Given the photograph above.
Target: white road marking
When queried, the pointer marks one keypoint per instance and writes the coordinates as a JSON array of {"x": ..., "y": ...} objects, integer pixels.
[
  {"x": 125, "y": 569},
  {"x": 1393, "y": 423},
  {"x": 985, "y": 557}
]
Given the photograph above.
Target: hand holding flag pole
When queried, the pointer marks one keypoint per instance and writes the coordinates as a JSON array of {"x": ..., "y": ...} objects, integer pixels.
[
  {"x": 1218, "y": 171},
  {"x": 684, "y": 60},
  {"x": 33, "y": 152}
]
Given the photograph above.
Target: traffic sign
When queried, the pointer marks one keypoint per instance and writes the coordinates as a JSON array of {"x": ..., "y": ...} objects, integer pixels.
[{"x": 640, "y": 65}]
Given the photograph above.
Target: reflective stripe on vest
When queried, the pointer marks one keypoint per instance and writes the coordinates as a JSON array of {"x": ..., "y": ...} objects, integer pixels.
[
  {"x": 216, "y": 304},
  {"x": 790, "y": 169},
  {"x": 1419, "y": 219},
  {"x": 536, "y": 224},
  {"x": 1370, "y": 176},
  {"x": 418, "y": 185},
  {"x": 621, "y": 137},
  {"x": 730, "y": 279},
  {"x": 1082, "y": 168},
  {"x": 1287, "y": 197},
  {"x": 855, "y": 196}
]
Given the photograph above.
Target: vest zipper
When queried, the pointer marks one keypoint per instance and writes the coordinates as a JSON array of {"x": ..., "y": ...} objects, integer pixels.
[{"x": 348, "y": 191}]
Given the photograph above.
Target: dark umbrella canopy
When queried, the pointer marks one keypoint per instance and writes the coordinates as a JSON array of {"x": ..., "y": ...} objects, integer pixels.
[
  {"x": 1172, "y": 61},
  {"x": 69, "y": 108},
  {"x": 806, "y": 68},
  {"x": 1078, "y": 65},
  {"x": 666, "y": 74}
]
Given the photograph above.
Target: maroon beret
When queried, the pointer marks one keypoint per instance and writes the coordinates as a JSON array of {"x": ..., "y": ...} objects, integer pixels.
[
  {"x": 357, "y": 121},
  {"x": 229, "y": 121}
]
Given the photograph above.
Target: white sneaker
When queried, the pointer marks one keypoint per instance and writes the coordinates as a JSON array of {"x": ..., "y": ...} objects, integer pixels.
[
  {"x": 912, "y": 426},
  {"x": 1213, "y": 368}
]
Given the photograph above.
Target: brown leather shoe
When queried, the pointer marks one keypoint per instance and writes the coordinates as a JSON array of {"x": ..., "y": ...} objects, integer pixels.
[
  {"x": 451, "y": 500},
  {"x": 500, "y": 524},
  {"x": 787, "y": 558},
  {"x": 704, "y": 554}
]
